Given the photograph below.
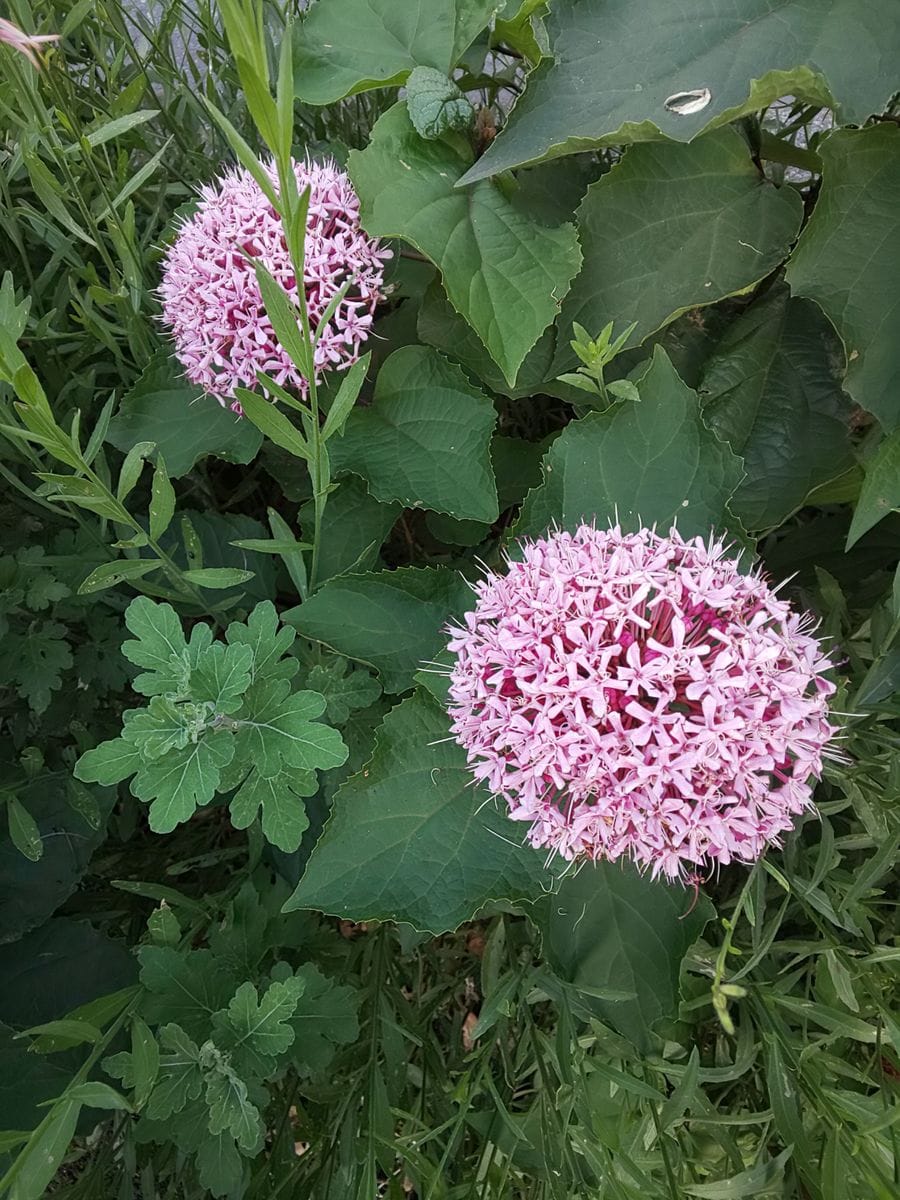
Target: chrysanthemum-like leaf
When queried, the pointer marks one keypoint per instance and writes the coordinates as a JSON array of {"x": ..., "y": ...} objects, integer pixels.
[
  {"x": 183, "y": 781},
  {"x": 630, "y": 70},
  {"x": 280, "y": 800},
  {"x": 343, "y": 692},
  {"x": 159, "y": 647},
  {"x": 846, "y": 260},
  {"x": 325, "y": 1017},
  {"x": 278, "y": 730},
  {"x": 411, "y": 840},
  {"x": 425, "y": 440},
  {"x": 771, "y": 390},
  {"x": 184, "y": 986},
  {"x": 255, "y": 1029},
  {"x": 348, "y": 46},
  {"x": 672, "y": 227},
  {"x": 645, "y": 462},
  {"x": 504, "y": 271},
  {"x": 392, "y": 620}
]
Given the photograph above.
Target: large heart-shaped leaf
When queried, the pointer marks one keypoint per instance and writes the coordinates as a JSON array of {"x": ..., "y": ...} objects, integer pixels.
[
  {"x": 846, "y": 260},
  {"x": 392, "y": 620},
  {"x": 610, "y": 929},
  {"x": 771, "y": 391},
  {"x": 164, "y": 408},
  {"x": 348, "y": 46},
  {"x": 425, "y": 440},
  {"x": 503, "y": 270},
  {"x": 642, "y": 462},
  {"x": 672, "y": 227},
  {"x": 630, "y": 70},
  {"x": 411, "y": 840}
]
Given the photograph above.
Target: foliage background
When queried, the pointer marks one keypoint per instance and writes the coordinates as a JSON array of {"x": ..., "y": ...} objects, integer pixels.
[{"x": 582, "y": 1037}]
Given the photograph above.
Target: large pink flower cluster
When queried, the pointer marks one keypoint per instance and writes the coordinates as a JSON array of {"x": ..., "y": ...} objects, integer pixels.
[
  {"x": 633, "y": 694},
  {"x": 211, "y": 298}
]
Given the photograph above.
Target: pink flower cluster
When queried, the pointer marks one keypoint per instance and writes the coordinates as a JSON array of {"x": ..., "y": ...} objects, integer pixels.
[
  {"x": 210, "y": 295},
  {"x": 633, "y": 694}
]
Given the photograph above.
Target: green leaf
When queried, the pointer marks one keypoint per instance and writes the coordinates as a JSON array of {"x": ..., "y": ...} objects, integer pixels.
[
  {"x": 43, "y": 1156},
  {"x": 607, "y": 927},
  {"x": 159, "y": 646},
  {"x": 229, "y": 1104},
  {"x": 185, "y": 780},
  {"x": 880, "y": 493},
  {"x": 180, "y": 1079},
  {"x": 354, "y": 527},
  {"x": 325, "y": 1017},
  {"x": 284, "y": 818},
  {"x": 98, "y": 1095},
  {"x": 162, "y": 500},
  {"x": 846, "y": 257},
  {"x": 754, "y": 1181},
  {"x": 505, "y": 272},
  {"x": 343, "y": 693},
  {"x": 645, "y": 463},
  {"x": 630, "y": 70},
  {"x": 23, "y": 829},
  {"x": 392, "y": 620},
  {"x": 222, "y": 675},
  {"x": 346, "y": 397},
  {"x": 144, "y": 1061},
  {"x": 284, "y": 318},
  {"x": 410, "y": 839},
  {"x": 435, "y": 104},
  {"x": 130, "y": 471},
  {"x": 267, "y": 641},
  {"x": 273, "y": 423},
  {"x": 425, "y": 441},
  {"x": 109, "y": 763},
  {"x": 219, "y": 1164},
  {"x": 35, "y": 663},
  {"x": 348, "y": 46},
  {"x": 184, "y": 423},
  {"x": 72, "y": 1031},
  {"x": 120, "y": 570},
  {"x": 217, "y": 577},
  {"x": 256, "y": 1029},
  {"x": 769, "y": 389},
  {"x": 277, "y": 730},
  {"x": 708, "y": 199},
  {"x": 185, "y": 987}
]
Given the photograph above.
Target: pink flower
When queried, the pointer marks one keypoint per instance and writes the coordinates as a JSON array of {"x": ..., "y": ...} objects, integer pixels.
[
  {"x": 25, "y": 43},
  {"x": 632, "y": 694},
  {"x": 211, "y": 298}
]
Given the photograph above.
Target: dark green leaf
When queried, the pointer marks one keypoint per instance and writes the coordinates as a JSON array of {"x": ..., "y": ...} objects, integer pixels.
[
  {"x": 846, "y": 257},
  {"x": 23, "y": 829},
  {"x": 608, "y": 927},
  {"x": 392, "y": 620},
  {"x": 411, "y": 840},
  {"x": 184, "y": 423},
  {"x": 628, "y": 70},
  {"x": 770, "y": 390},
  {"x": 880, "y": 493},
  {"x": 645, "y": 463},
  {"x": 708, "y": 199},
  {"x": 348, "y": 46},
  {"x": 425, "y": 441},
  {"x": 502, "y": 270},
  {"x": 354, "y": 527}
]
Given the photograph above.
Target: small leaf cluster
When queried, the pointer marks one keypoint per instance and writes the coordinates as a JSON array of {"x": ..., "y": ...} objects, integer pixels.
[
  {"x": 222, "y": 716},
  {"x": 209, "y": 1046}
]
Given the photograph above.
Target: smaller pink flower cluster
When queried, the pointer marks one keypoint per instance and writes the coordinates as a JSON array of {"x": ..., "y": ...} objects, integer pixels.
[
  {"x": 25, "y": 43},
  {"x": 633, "y": 694},
  {"x": 211, "y": 298}
]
